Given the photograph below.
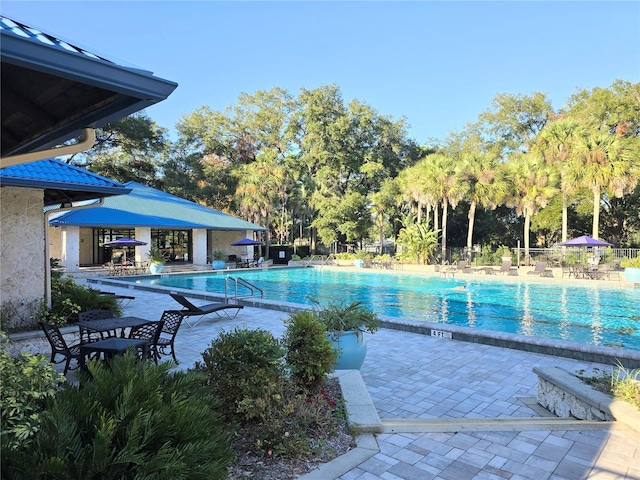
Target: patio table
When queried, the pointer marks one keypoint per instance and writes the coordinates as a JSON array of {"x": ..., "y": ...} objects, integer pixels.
[
  {"x": 107, "y": 325},
  {"x": 111, "y": 347}
]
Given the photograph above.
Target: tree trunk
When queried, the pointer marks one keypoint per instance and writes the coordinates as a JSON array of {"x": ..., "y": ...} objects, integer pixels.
[
  {"x": 596, "y": 212},
  {"x": 435, "y": 217},
  {"x": 472, "y": 217},
  {"x": 445, "y": 208},
  {"x": 565, "y": 217},
  {"x": 527, "y": 226}
]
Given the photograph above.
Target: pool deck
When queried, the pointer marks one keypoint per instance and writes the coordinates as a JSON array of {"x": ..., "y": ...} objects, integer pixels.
[{"x": 448, "y": 409}]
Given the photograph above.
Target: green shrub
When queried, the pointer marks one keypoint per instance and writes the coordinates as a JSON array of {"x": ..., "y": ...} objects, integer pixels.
[
  {"x": 245, "y": 370},
  {"x": 310, "y": 355},
  {"x": 291, "y": 423},
  {"x": 133, "y": 420},
  {"x": 630, "y": 262},
  {"x": 27, "y": 381},
  {"x": 68, "y": 299}
]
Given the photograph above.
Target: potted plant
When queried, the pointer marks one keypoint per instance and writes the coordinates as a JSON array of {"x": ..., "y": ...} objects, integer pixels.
[
  {"x": 360, "y": 257},
  {"x": 156, "y": 260},
  {"x": 631, "y": 269},
  {"x": 219, "y": 258},
  {"x": 346, "y": 324}
]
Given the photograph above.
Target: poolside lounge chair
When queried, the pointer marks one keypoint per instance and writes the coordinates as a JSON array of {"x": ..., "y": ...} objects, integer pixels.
[
  {"x": 507, "y": 269},
  {"x": 460, "y": 266},
  {"x": 541, "y": 270},
  {"x": 191, "y": 310}
]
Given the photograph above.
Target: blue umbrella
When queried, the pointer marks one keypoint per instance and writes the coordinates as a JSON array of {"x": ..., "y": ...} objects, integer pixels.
[
  {"x": 124, "y": 242},
  {"x": 584, "y": 241},
  {"x": 245, "y": 242}
]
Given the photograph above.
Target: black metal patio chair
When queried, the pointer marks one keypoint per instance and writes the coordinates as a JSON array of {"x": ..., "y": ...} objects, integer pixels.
[
  {"x": 59, "y": 346},
  {"x": 172, "y": 319}
]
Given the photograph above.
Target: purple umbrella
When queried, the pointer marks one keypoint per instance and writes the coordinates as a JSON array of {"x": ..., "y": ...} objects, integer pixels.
[
  {"x": 245, "y": 242},
  {"x": 124, "y": 242},
  {"x": 584, "y": 241}
]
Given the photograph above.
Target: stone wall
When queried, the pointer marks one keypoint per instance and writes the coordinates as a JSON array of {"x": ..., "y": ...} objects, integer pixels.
[{"x": 22, "y": 276}]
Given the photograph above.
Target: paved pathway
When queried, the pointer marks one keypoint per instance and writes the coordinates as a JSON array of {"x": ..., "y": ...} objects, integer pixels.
[{"x": 419, "y": 384}]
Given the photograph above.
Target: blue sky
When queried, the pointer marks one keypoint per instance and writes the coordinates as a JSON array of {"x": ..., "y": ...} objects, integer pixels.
[{"x": 438, "y": 64}]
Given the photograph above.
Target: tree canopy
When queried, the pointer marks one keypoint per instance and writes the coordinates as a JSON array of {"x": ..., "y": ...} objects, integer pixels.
[{"x": 316, "y": 169}]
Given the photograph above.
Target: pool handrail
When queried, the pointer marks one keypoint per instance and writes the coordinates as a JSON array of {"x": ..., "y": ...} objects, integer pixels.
[
  {"x": 244, "y": 283},
  {"x": 324, "y": 260}
]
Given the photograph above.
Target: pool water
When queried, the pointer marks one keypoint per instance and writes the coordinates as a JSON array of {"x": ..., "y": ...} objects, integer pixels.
[{"x": 592, "y": 314}]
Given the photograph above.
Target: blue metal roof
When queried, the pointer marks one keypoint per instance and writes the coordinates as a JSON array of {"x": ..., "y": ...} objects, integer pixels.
[
  {"x": 148, "y": 207},
  {"x": 65, "y": 88},
  {"x": 61, "y": 182}
]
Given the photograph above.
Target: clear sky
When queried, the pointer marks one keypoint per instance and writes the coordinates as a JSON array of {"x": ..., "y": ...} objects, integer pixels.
[{"x": 438, "y": 64}]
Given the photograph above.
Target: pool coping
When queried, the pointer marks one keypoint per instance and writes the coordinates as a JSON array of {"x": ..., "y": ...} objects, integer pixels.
[{"x": 624, "y": 357}]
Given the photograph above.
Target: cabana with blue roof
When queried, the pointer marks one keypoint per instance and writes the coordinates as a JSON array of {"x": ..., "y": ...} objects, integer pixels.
[
  {"x": 185, "y": 231},
  {"x": 52, "y": 92}
]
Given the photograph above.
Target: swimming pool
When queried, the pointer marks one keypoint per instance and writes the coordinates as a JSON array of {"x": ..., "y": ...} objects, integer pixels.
[{"x": 592, "y": 314}]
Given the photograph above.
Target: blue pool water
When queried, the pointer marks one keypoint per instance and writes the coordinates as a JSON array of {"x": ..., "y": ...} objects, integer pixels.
[{"x": 591, "y": 314}]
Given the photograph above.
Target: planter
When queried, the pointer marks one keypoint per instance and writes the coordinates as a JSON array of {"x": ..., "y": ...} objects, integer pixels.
[
  {"x": 218, "y": 264},
  {"x": 632, "y": 274},
  {"x": 352, "y": 349},
  {"x": 358, "y": 263},
  {"x": 156, "y": 268}
]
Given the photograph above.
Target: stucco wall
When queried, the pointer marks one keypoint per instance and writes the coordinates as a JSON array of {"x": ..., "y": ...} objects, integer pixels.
[
  {"x": 222, "y": 239},
  {"x": 22, "y": 274}
]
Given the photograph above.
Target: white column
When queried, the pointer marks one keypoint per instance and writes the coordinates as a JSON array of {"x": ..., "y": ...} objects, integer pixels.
[
  {"x": 144, "y": 235},
  {"x": 199, "y": 238},
  {"x": 70, "y": 248}
]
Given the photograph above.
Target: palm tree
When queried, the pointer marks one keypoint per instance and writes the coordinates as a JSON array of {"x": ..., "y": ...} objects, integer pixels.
[
  {"x": 441, "y": 185},
  {"x": 555, "y": 142},
  {"x": 485, "y": 184},
  {"x": 608, "y": 165},
  {"x": 260, "y": 191},
  {"x": 533, "y": 184}
]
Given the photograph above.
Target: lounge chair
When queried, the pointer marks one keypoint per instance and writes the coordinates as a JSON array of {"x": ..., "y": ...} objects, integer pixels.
[
  {"x": 541, "y": 270},
  {"x": 507, "y": 269},
  {"x": 124, "y": 299},
  {"x": 460, "y": 266},
  {"x": 191, "y": 310}
]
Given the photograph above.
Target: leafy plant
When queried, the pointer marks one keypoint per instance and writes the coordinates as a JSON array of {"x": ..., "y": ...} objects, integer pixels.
[
  {"x": 631, "y": 262},
  {"x": 219, "y": 255},
  {"x": 417, "y": 241},
  {"x": 310, "y": 356},
  {"x": 68, "y": 299},
  {"x": 339, "y": 317},
  {"x": 621, "y": 383},
  {"x": 27, "y": 381},
  {"x": 245, "y": 369},
  {"x": 625, "y": 385},
  {"x": 131, "y": 420},
  {"x": 155, "y": 255},
  {"x": 362, "y": 255}
]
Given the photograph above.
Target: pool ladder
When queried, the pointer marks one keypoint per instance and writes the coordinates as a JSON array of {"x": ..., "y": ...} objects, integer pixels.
[{"x": 240, "y": 282}]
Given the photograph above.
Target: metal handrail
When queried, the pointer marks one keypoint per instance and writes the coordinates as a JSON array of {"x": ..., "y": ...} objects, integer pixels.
[
  {"x": 243, "y": 283},
  {"x": 324, "y": 260}
]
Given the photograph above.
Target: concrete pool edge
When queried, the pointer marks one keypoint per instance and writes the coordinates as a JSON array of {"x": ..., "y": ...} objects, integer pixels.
[{"x": 627, "y": 358}]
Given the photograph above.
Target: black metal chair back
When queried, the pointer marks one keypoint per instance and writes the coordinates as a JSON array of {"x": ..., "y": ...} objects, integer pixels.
[
  {"x": 59, "y": 346},
  {"x": 172, "y": 320},
  {"x": 96, "y": 314},
  {"x": 149, "y": 332}
]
